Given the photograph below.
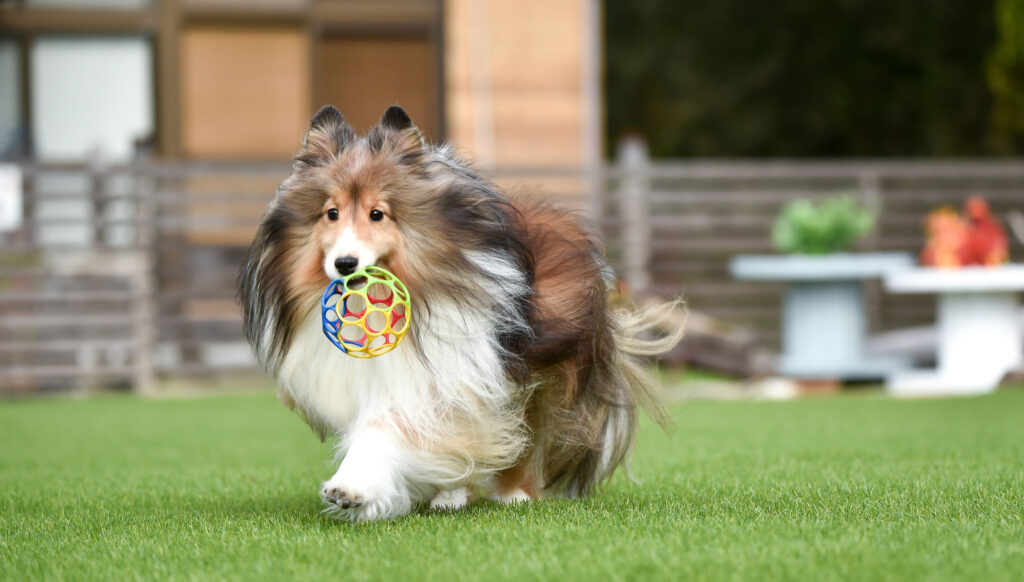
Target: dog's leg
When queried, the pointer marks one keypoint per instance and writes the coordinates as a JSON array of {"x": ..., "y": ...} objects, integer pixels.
[
  {"x": 450, "y": 500},
  {"x": 370, "y": 484},
  {"x": 512, "y": 497},
  {"x": 516, "y": 484}
]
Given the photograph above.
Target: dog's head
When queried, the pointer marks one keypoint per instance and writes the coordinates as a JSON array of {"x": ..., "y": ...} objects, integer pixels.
[
  {"x": 349, "y": 202},
  {"x": 387, "y": 198},
  {"x": 357, "y": 183}
]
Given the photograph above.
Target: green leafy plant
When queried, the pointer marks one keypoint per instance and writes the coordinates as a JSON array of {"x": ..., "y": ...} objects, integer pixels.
[{"x": 817, "y": 229}]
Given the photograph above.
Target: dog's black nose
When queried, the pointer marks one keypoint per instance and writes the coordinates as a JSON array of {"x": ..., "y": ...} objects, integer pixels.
[{"x": 346, "y": 265}]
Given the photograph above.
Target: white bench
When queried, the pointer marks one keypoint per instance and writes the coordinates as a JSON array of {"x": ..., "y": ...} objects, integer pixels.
[{"x": 979, "y": 335}]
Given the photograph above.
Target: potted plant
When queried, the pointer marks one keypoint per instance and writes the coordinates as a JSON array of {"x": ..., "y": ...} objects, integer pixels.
[
  {"x": 831, "y": 226},
  {"x": 824, "y": 326}
]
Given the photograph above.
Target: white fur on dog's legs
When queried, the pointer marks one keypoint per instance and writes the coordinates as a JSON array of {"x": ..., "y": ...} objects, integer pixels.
[
  {"x": 370, "y": 484},
  {"x": 450, "y": 500},
  {"x": 512, "y": 497}
]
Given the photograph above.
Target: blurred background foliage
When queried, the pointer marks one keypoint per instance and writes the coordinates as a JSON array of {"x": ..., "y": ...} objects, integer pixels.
[{"x": 799, "y": 78}]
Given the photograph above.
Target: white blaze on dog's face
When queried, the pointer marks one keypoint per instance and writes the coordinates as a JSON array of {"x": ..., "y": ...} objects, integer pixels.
[{"x": 356, "y": 231}]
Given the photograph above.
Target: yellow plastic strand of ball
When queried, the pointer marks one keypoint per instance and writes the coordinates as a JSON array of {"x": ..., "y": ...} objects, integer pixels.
[{"x": 366, "y": 314}]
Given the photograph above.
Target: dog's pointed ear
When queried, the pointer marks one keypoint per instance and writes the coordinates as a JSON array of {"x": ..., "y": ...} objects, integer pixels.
[
  {"x": 327, "y": 115},
  {"x": 326, "y": 137},
  {"x": 396, "y": 128},
  {"x": 396, "y": 118}
]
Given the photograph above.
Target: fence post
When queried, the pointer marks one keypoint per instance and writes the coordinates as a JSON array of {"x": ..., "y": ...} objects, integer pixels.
[
  {"x": 144, "y": 278},
  {"x": 98, "y": 196},
  {"x": 869, "y": 184},
  {"x": 634, "y": 201}
]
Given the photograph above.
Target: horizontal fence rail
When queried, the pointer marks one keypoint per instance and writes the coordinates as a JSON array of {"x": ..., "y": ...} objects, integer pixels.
[{"x": 126, "y": 274}]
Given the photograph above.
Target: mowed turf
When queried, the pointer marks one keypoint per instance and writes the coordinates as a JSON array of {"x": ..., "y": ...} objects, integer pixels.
[{"x": 850, "y": 487}]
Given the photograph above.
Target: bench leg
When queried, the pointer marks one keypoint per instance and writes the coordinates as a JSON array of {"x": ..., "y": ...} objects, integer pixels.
[{"x": 979, "y": 341}]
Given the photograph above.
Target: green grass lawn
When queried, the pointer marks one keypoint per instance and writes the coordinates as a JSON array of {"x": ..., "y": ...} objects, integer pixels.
[{"x": 225, "y": 488}]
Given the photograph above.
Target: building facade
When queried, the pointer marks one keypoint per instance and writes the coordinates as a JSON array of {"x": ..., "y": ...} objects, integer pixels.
[
  {"x": 218, "y": 94},
  {"x": 512, "y": 82}
]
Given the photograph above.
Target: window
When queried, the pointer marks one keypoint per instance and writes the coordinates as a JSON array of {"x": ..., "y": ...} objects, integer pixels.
[
  {"x": 10, "y": 98},
  {"x": 90, "y": 93}
]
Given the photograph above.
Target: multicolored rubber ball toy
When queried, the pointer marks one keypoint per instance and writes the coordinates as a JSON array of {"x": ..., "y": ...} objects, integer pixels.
[{"x": 366, "y": 314}]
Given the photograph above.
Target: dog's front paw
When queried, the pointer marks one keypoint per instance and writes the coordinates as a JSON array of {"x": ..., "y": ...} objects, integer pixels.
[
  {"x": 335, "y": 495},
  {"x": 353, "y": 502},
  {"x": 370, "y": 484}
]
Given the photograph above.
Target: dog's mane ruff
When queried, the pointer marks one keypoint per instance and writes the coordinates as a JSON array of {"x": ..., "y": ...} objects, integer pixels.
[{"x": 474, "y": 237}]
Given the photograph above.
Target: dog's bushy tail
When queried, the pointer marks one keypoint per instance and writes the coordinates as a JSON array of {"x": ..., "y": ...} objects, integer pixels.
[
  {"x": 641, "y": 333},
  {"x": 612, "y": 385}
]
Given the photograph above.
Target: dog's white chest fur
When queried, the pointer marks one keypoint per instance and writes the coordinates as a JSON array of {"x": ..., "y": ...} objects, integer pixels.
[
  {"x": 333, "y": 388},
  {"x": 461, "y": 359}
]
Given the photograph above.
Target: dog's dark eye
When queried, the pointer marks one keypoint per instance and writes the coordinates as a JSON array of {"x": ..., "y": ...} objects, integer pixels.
[
  {"x": 332, "y": 214},
  {"x": 376, "y": 215}
]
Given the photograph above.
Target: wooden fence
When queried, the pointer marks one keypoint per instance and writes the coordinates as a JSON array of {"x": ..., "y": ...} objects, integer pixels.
[
  {"x": 124, "y": 275},
  {"x": 699, "y": 214}
]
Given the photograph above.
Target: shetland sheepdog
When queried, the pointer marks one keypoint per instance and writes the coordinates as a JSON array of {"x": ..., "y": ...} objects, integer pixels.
[{"x": 518, "y": 378}]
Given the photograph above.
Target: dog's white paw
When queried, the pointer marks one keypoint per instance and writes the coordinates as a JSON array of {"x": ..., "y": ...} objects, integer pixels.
[
  {"x": 513, "y": 497},
  {"x": 450, "y": 500},
  {"x": 352, "y": 504},
  {"x": 336, "y": 494},
  {"x": 370, "y": 484},
  {"x": 354, "y": 501}
]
